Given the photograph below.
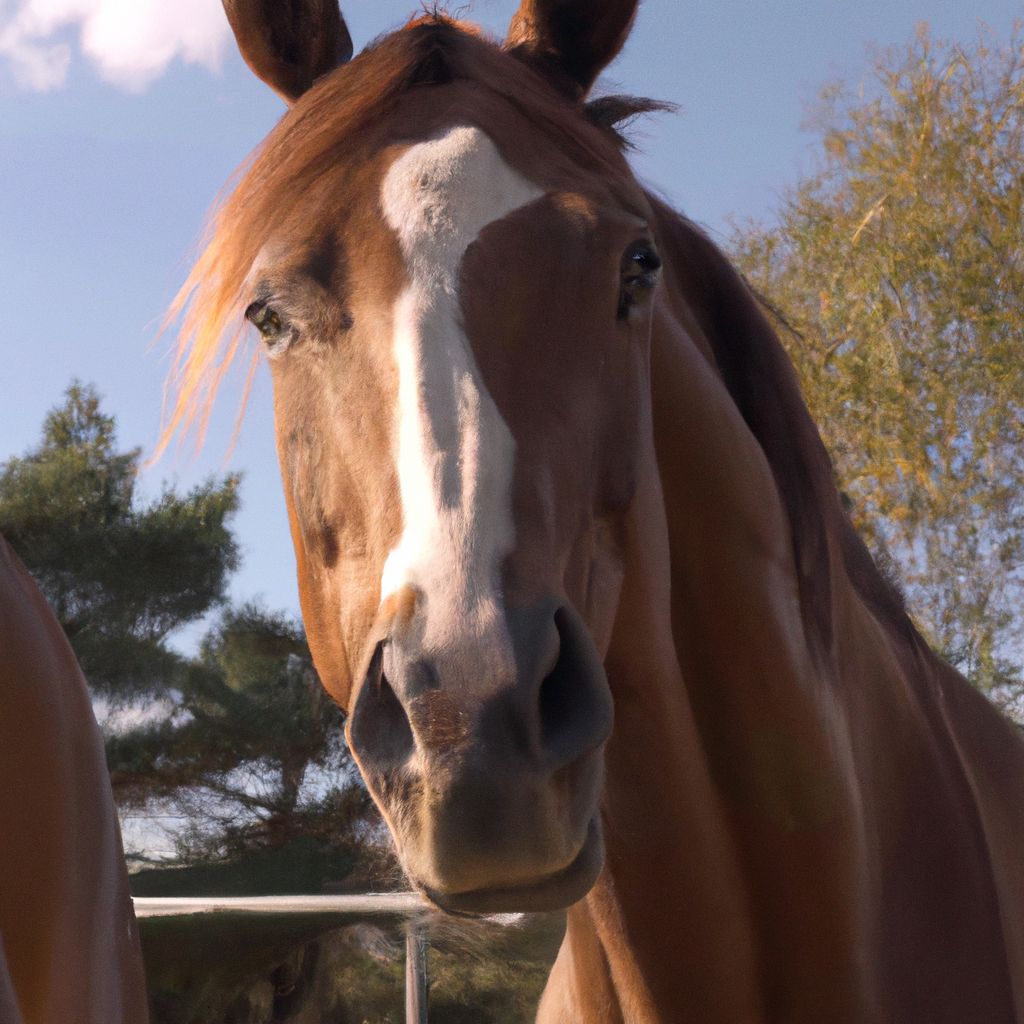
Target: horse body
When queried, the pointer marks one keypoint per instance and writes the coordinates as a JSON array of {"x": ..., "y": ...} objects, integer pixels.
[
  {"x": 69, "y": 945},
  {"x": 544, "y": 460}
]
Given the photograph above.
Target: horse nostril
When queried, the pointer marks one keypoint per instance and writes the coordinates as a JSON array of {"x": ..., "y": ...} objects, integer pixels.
[
  {"x": 573, "y": 703},
  {"x": 380, "y": 729},
  {"x": 555, "y": 701}
]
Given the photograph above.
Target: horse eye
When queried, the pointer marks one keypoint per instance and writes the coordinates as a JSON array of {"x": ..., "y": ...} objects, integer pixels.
[
  {"x": 267, "y": 321},
  {"x": 639, "y": 274},
  {"x": 640, "y": 264}
]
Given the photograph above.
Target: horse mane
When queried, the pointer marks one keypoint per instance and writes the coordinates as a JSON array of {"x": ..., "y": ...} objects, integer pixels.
[
  {"x": 333, "y": 119},
  {"x": 763, "y": 383}
]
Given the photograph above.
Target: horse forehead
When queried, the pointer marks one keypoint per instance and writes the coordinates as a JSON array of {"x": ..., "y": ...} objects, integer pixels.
[{"x": 439, "y": 194}]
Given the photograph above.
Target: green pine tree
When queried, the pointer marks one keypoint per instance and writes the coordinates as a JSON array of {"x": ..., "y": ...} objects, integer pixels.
[
  {"x": 253, "y": 759},
  {"x": 120, "y": 576}
]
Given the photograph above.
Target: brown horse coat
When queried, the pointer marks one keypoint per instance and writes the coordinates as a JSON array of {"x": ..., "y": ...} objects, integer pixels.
[
  {"x": 69, "y": 944},
  {"x": 544, "y": 457}
]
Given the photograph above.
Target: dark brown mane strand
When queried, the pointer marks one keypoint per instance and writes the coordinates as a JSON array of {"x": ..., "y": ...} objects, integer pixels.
[
  {"x": 438, "y": 58},
  {"x": 763, "y": 384},
  {"x": 614, "y": 113},
  {"x": 859, "y": 564}
]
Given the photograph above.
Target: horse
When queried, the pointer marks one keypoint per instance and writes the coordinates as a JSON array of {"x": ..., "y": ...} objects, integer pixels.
[
  {"x": 571, "y": 556},
  {"x": 69, "y": 943}
]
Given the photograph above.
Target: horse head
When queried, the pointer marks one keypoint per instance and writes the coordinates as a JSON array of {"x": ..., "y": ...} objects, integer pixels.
[
  {"x": 533, "y": 483},
  {"x": 451, "y": 272}
]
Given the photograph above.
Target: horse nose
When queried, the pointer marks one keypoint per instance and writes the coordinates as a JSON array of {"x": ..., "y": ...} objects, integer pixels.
[{"x": 556, "y": 710}]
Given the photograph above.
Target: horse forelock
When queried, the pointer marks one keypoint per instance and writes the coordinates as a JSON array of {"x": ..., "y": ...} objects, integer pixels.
[{"x": 330, "y": 123}]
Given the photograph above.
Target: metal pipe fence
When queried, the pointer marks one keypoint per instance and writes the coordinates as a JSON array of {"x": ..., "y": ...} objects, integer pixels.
[{"x": 408, "y": 905}]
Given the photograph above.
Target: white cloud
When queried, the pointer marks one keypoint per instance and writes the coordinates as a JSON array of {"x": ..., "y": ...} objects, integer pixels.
[{"x": 131, "y": 42}]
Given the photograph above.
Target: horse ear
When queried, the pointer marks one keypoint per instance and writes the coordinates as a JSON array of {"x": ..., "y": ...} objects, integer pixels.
[
  {"x": 573, "y": 40},
  {"x": 290, "y": 43}
]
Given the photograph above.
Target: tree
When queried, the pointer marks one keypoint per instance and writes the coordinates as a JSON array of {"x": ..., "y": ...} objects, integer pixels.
[
  {"x": 252, "y": 701},
  {"x": 119, "y": 576},
  {"x": 896, "y": 273},
  {"x": 253, "y": 758}
]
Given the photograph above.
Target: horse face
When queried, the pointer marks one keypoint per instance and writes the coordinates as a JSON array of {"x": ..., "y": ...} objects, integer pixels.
[{"x": 459, "y": 356}]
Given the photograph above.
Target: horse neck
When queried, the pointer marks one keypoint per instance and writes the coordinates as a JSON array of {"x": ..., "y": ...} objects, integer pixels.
[
  {"x": 777, "y": 722},
  {"x": 729, "y": 805},
  {"x": 665, "y": 832}
]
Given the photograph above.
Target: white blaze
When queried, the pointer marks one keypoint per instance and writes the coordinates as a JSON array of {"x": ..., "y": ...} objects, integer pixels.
[{"x": 455, "y": 452}]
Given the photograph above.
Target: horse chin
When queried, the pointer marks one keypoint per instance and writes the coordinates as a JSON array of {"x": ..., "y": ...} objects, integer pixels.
[{"x": 552, "y": 892}]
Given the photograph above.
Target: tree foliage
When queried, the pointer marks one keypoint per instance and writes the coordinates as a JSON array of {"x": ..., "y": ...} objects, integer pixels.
[
  {"x": 119, "y": 575},
  {"x": 897, "y": 272}
]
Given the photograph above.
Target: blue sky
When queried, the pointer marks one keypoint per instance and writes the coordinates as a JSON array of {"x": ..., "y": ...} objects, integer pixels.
[{"x": 121, "y": 120}]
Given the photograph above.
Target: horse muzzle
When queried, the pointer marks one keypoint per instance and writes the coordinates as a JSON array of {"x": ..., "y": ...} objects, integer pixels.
[{"x": 484, "y": 749}]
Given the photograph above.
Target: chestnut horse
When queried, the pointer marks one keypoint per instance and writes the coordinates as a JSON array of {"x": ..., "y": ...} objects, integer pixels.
[
  {"x": 547, "y": 466},
  {"x": 69, "y": 944}
]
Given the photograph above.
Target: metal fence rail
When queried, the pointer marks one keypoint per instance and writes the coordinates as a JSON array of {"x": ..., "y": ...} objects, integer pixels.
[
  {"x": 403, "y": 904},
  {"x": 409, "y": 905}
]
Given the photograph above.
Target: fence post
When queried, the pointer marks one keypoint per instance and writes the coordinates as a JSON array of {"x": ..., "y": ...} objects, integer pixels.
[{"x": 415, "y": 973}]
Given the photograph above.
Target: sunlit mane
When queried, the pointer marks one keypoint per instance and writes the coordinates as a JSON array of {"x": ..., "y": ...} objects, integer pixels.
[{"x": 313, "y": 136}]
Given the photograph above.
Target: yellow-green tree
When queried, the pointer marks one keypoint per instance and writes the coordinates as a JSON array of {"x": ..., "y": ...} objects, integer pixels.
[{"x": 897, "y": 275}]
